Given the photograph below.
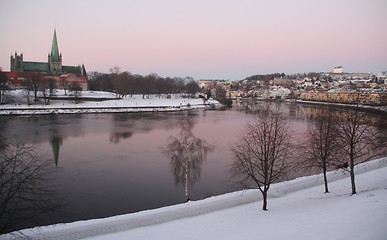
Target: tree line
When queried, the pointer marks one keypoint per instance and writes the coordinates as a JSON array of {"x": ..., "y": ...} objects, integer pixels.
[
  {"x": 121, "y": 83},
  {"x": 128, "y": 84},
  {"x": 271, "y": 76},
  {"x": 38, "y": 85},
  {"x": 47, "y": 86}
]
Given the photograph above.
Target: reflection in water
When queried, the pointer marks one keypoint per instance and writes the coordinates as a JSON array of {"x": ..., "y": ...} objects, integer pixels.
[
  {"x": 187, "y": 154},
  {"x": 28, "y": 192},
  {"x": 116, "y": 137},
  {"x": 56, "y": 142},
  {"x": 124, "y": 125}
]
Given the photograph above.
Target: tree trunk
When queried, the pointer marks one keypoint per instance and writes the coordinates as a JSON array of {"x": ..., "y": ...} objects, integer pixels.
[
  {"x": 352, "y": 170},
  {"x": 352, "y": 174},
  {"x": 264, "y": 198},
  {"x": 326, "y": 181},
  {"x": 186, "y": 180},
  {"x": 35, "y": 94}
]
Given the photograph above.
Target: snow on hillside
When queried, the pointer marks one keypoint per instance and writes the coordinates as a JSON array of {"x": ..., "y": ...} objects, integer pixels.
[
  {"x": 136, "y": 103},
  {"x": 298, "y": 209}
]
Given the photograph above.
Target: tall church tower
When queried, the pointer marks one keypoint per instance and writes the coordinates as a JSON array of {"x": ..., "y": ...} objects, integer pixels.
[
  {"x": 55, "y": 58},
  {"x": 17, "y": 63}
]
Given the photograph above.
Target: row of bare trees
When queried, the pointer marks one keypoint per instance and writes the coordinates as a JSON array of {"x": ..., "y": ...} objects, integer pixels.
[
  {"x": 265, "y": 151},
  {"x": 47, "y": 87},
  {"x": 40, "y": 86},
  {"x": 342, "y": 142},
  {"x": 125, "y": 83}
]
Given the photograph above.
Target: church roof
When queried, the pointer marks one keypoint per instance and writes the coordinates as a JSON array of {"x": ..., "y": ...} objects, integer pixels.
[
  {"x": 54, "y": 48},
  {"x": 44, "y": 67},
  {"x": 35, "y": 66},
  {"x": 76, "y": 70}
]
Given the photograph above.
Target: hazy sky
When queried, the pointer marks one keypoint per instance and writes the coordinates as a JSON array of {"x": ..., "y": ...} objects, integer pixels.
[{"x": 210, "y": 39}]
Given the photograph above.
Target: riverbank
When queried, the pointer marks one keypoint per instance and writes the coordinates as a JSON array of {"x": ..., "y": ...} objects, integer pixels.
[
  {"x": 298, "y": 209},
  {"x": 107, "y": 102},
  {"x": 367, "y": 108},
  {"x": 102, "y": 102}
]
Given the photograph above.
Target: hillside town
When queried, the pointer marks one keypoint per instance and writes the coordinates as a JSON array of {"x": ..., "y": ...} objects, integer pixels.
[{"x": 335, "y": 86}]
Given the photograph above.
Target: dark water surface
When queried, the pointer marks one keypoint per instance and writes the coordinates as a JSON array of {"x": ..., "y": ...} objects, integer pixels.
[{"x": 110, "y": 164}]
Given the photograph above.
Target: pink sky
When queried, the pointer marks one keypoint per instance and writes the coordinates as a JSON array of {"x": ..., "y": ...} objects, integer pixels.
[{"x": 210, "y": 39}]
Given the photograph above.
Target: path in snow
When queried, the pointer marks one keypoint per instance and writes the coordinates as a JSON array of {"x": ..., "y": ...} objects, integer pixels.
[{"x": 90, "y": 228}]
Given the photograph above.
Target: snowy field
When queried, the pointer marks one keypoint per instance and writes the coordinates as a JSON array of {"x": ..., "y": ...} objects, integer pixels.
[
  {"x": 298, "y": 209},
  {"x": 136, "y": 103}
]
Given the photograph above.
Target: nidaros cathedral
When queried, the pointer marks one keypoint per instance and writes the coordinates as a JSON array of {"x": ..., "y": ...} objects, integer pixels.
[{"x": 53, "y": 67}]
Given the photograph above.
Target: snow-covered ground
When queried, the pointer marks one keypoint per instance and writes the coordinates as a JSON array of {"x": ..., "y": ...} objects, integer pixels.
[
  {"x": 136, "y": 103},
  {"x": 298, "y": 209}
]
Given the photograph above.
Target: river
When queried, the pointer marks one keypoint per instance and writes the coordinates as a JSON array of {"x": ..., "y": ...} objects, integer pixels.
[{"x": 111, "y": 164}]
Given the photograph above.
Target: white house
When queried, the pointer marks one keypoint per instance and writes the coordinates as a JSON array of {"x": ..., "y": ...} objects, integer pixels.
[{"x": 338, "y": 69}]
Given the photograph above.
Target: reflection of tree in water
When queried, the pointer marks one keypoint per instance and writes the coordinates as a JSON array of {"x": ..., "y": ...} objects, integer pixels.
[
  {"x": 116, "y": 137},
  {"x": 27, "y": 195},
  {"x": 187, "y": 154}
]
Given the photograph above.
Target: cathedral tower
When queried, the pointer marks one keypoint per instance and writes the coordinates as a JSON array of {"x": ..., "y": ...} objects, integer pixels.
[
  {"x": 55, "y": 58},
  {"x": 17, "y": 63}
]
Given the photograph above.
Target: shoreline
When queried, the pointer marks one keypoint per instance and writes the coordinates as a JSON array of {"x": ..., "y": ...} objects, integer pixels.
[
  {"x": 108, "y": 104},
  {"x": 102, "y": 109},
  {"x": 103, "y": 102},
  {"x": 366, "y": 108}
]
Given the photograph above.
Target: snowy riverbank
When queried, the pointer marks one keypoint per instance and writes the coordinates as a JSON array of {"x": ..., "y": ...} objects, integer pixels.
[
  {"x": 298, "y": 209},
  {"x": 136, "y": 103}
]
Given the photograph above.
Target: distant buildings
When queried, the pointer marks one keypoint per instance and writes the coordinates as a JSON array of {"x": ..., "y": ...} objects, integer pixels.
[
  {"x": 338, "y": 69},
  {"x": 368, "y": 97},
  {"x": 52, "y": 69},
  {"x": 335, "y": 86}
]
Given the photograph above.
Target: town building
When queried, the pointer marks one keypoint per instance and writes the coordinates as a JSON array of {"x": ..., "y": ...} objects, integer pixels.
[{"x": 338, "y": 69}]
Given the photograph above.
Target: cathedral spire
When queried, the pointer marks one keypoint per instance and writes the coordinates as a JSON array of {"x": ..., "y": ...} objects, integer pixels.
[{"x": 54, "y": 48}]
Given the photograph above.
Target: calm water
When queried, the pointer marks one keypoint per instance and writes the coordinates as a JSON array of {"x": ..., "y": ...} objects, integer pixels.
[{"x": 110, "y": 164}]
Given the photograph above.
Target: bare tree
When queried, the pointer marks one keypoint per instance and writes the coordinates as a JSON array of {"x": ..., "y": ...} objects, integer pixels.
[
  {"x": 76, "y": 90},
  {"x": 33, "y": 84},
  {"x": 100, "y": 82},
  {"x": 117, "y": 84},
  {"x": 47, "y": 87},
  {"x": 192, "y": 88},
  {"x": 321, "y": 146},
  {"x": 359, "y": 139},
  {"x": 187, "y": 154},
  {"x": 222, "y": 97},
  {"x": 25, "y": 193},
  {"x": 122, "y": 83},
  {"x": 261, "y": 153},
  {"x": 64, "y": 83}
]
